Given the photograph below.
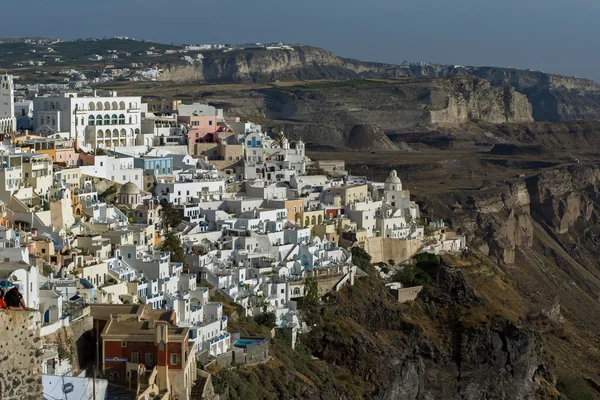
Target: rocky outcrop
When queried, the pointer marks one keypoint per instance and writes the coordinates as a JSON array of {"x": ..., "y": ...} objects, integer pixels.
[
  {"x": 476, "y": 100},
  {"x": 496, "y": 219},
  {"x": 487, "y": 360},
  {"x": 560, "y": 197}
]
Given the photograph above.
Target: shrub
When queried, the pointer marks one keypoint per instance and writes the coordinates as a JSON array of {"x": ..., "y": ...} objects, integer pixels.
[
  {"x": 411, "y": 275},
  {"x": 267, "y": 319}
]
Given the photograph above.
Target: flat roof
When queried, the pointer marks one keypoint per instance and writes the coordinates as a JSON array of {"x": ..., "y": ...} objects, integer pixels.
[{"x": 115, "y": 327}]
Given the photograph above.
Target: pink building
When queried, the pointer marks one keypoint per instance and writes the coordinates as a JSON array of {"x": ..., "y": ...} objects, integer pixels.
[{"x": 200, "y": 126}]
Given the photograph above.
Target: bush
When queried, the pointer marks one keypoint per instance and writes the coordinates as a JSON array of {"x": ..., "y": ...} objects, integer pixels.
[
  {"x": 362, "y": 260},
  {"x": 411, "y": 275},
  {"x": 267, "y": 319}
]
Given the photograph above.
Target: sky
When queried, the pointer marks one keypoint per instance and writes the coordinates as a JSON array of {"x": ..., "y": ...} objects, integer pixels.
[{"x": 556, "y": 36}]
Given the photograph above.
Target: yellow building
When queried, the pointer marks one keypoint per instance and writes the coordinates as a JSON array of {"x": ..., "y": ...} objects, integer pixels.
[
  {"x": 71, "y": 176},
  {"x": 344, "y": 195},
  {"x": 328, "y": 230},
  {"x": 309, "y": 219}
]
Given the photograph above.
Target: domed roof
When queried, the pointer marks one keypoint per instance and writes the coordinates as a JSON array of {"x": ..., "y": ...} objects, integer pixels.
[
  {"x": 393, "y": 178},
  {"x": 129, "y": 188}
]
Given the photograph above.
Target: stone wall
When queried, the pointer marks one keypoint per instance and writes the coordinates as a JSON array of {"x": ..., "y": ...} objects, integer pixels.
[
  {"x": 20, "y": 356},
  {"x": 383, "y": 249},
  {"x": 77, "y": 339}
]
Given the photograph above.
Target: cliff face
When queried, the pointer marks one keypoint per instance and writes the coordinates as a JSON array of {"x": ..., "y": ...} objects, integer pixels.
[
  {"x": 322, "y": 113},
  {"x": 476, "y": 100},
  {"x": 386, "y": 345},
  {"x": 301, "y": 63},
  {"x": 561, "y": 197},
  {"x": 553, "y": 97}
]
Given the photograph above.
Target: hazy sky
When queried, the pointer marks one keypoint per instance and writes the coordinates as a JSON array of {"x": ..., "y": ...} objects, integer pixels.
[{"x": 551, "y": 35}]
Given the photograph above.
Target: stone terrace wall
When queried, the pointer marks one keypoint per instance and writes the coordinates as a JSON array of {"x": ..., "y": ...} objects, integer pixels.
[{"x": 20, "y": 356}]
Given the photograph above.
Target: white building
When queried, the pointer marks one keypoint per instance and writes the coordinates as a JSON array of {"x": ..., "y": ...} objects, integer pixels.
[
  {"x": 116, "y": 169},
  {"x": 24, "y": 115},
  {"x": 7, "y": 112},
  {"x": 96, "y": 122},
  {"x": 182, "y": 192}
]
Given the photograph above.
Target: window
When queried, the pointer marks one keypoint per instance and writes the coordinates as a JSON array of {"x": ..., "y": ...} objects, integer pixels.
[
  {"x": 134, "y": 358},
  {"x": 173, "y": 359},
  {"x": 210, "y": 122},
  {"x": 282, "y": 291},
  {"x": 123, "y": 343},
  {"x": 101, "y": 163}
]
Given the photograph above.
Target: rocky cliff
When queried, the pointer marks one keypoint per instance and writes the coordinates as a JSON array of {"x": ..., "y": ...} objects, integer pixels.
[
  {"x": 321, "y": 113},
  {"x": 553, "y": 97},
  {"x": 300, "y": 63},
  {"x": 406, "y": 355},
  {"x": 561, "y": 197}
]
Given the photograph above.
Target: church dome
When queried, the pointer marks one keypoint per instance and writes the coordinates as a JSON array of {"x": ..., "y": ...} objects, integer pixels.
[
  {"x": 129, "y": 188},
  {"x": 393, "y": 178}
]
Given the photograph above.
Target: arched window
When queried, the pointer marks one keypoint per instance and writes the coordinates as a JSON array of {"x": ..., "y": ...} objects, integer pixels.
[
  {"x": 91, "y": 119},
  {"x": 52, "y": 105},
  {"x": 313, "y": 220},
  {"x": 320, "y": 219},
  {"x": 106, "y": 105},
  {"x": 106, "y": 119},
  {"x": 122, "y": 105},
  {"x": 115, "y": 133},
  {"x": 100, "y": 134},
  {"x": 99, "y": 120},
  {"x": 114, "y": 105},
  {"x": 307, "y": 221},
  {"x": 130, "y": 119},
  {"x": 137, "y": 131},
  {"x": 99, "y": 106},
  {"x": 296, "y": 291},
  {"x": 114, "y": 119},
  {"x": 91, "y": 106},
  {"x": 58, "y": 105},
  {"x": 122, "y": 119}
]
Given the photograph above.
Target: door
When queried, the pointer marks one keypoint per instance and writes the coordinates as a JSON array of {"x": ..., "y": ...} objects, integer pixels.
[{"x": 149, "y": 360}]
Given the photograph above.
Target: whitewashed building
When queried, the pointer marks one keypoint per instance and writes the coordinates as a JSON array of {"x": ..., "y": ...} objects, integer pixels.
[{"x": 96, "y": 122}]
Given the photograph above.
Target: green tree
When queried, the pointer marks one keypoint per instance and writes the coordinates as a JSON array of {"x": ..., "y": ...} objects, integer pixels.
[
  {"x": 173, "y": 245},
  {"x": 362, "y": 260},
  {"x": 169, "y": 216},
  {"x": 311, "y": 291},
  {"x": 411, "y": 275},
  {"x": 267, "y": 319}
]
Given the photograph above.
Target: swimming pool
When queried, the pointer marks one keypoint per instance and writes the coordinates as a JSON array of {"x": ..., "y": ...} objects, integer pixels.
[{"x": 243, "y": 342}]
